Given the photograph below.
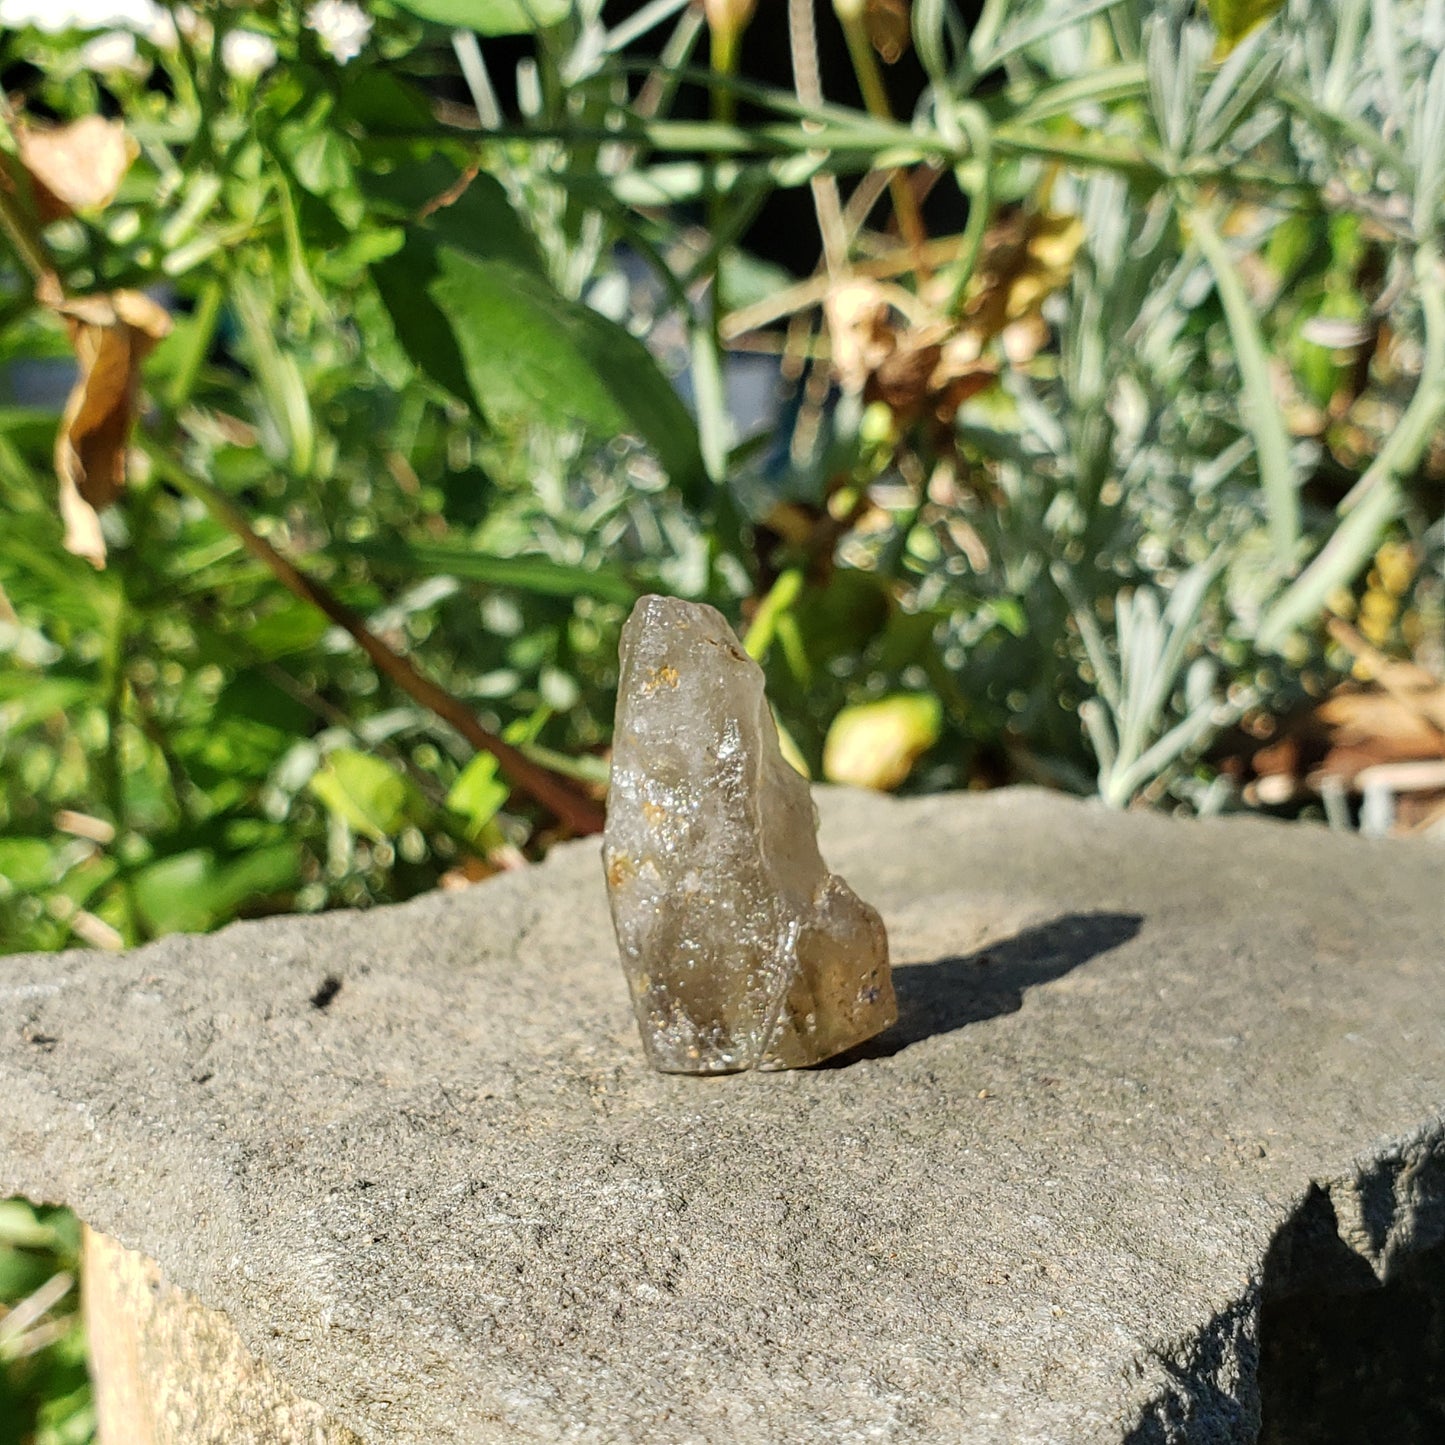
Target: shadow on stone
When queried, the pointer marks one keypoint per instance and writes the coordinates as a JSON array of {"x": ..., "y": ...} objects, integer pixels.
[
  {"x": 1328, "y": 1349},
  {"x": 1344, "y": 1358},
  {"x": 950, "y": 993},
  {"x": 1210, "y": 1399}
]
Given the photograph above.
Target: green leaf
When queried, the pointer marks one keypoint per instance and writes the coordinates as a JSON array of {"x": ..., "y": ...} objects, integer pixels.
[
  {"x": 491, "y": 17},
  {"x": 195, "y": 890},
  {"x": 291, "y": 627},
  {"x": 478, "y": 793},
  {"x": 480, "y": 221},
  {"x": 27, "y": 700},
  {"x": 26, "y": 864},
  {"x": 21, "y": 1272},
  {"x": 364, "y": 792},
  {"x": 20, "y": 1229},
  {"x": 533, "y": 357},
  {"x": 379, "y": 101},
  {"x": 253, "y": 724},
  {"x": 423, "y": 330},
  {"x": 476, "y": 217},
  {"x": 528, "y": 574},
  {"x": 1234, "y": 19}
]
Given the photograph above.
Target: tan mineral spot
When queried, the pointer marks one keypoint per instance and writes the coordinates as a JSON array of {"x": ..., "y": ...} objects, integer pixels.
[{"x": 657, "y": 677}]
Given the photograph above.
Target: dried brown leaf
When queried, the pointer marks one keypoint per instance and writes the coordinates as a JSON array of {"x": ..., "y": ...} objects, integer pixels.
[
  {"x": 111, "y": 335},
  {"x": 1385, "y": 724},
  {"x": 890, "y": 30},
  {"x": 902, "y": 379},
  {"x": 1026, "y": 257},
  {"x": 1416, "y": 688},
  {"x": 75, "y": 167},
  {"x": 861, "y": 332},
  {"x": 913, "y": 370}
]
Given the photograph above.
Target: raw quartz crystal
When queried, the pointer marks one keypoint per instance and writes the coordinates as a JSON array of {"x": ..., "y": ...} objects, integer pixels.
[{"x": 741, "y": 949}]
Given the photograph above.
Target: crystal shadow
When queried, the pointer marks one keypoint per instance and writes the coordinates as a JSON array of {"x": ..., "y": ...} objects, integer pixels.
[{"x": 951, "y": 993}]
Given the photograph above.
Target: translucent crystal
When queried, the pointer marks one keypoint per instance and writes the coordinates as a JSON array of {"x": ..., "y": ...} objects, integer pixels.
[{"x": 741, "y": 950}]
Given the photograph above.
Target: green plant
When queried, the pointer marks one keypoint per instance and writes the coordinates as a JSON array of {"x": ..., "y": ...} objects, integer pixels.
[
  {"x": 382, "y": 507},
  {"x": 44, "y": 1390}
]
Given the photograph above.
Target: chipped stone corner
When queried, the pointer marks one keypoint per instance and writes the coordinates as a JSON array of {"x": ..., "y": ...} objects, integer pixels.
[
  {"x": 1336, "y": 1336},
  {"x": 169, "y": 1371}
]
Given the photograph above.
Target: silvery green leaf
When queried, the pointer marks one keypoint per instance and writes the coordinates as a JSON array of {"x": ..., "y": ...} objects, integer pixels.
[
  {"x": 1429, "y": 148},
  {"x": 1246, "y": 76}
]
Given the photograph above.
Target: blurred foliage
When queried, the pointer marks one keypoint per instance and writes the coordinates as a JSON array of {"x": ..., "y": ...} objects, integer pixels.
[
  {"x": 1185, "y": 335},
  {"x": 432, "y": 387},
  {"x": 44, "y": 1390}
]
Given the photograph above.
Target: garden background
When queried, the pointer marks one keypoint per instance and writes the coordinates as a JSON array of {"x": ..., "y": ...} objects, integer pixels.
[{"x": 1049, "y": 390}]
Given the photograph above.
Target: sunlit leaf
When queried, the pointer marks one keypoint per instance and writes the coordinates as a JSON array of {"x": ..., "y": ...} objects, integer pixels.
[
  {"x": 197, "y": 889},
  {"x": 875, "y": 744},
  {"x": 491, "y": 17},
  {"x": 364, "y": 792},
  {"x": 478, "y": 793},
  {"x": 1234, "y": 19},
  {"x": 528, "y": 574},
  {"x": 534, "y": 358},
  {"x": 26, "y": 863}
]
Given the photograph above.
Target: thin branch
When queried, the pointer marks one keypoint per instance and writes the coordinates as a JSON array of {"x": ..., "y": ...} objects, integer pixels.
[
  {"x": 803, "y": 294},
  {"x": 807, "y": 83},
  {"x": 579, "y": 813},
  {"x": 875, "y": 98}
]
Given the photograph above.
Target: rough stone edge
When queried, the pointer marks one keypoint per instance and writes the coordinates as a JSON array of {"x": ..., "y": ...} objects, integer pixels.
[
  {"x": 167, "y": 1370},
  {"x": 1391, "y": 1206}
]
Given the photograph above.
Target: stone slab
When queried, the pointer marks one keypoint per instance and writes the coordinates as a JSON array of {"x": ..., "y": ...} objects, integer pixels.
[{"x": 417, "y": 1160}]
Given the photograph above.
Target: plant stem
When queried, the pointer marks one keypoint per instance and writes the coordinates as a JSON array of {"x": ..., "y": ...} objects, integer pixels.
[
  {"x": 1261, "y": 411},
  {"x": 111, "y": 763},
  {"x": 980, "y": 202},
  {"x": 203, "y": 330},
  {"x": 808, "y": 86},
  {"x": 875, "y": 97},
  {"x": 771, "y": 610},
  {"x": 21, "y": 230},
  {"x": 724, "y": 60}
]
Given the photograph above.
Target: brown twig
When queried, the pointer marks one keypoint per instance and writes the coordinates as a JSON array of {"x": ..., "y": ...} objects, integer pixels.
[
  {"x": 875, "y": 97},
  {"x": 810, "y": 292},
  {"x": 579, "y": 813},
  {"x": 808, "y": 86}
]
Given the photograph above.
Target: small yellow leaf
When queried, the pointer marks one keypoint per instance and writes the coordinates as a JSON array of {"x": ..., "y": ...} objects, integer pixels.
[
  {"x": 367, "y": 794},
  {"x": 875, "y": 744},
  {"x": 1234, "y": 19},
  {"x": 1026, "y": 257}
]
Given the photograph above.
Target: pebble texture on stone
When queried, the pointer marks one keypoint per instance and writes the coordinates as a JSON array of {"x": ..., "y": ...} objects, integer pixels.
[
  {"x": 741, "y": 950},
  {"x": 1150, "y": 1079}
]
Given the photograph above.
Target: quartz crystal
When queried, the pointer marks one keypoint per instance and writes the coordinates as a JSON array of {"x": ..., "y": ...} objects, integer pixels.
[{"x": 741, "y": 949}]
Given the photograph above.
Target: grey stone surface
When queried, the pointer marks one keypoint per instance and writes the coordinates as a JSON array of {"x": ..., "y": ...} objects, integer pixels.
[{"x": 455, "y": 1204}]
